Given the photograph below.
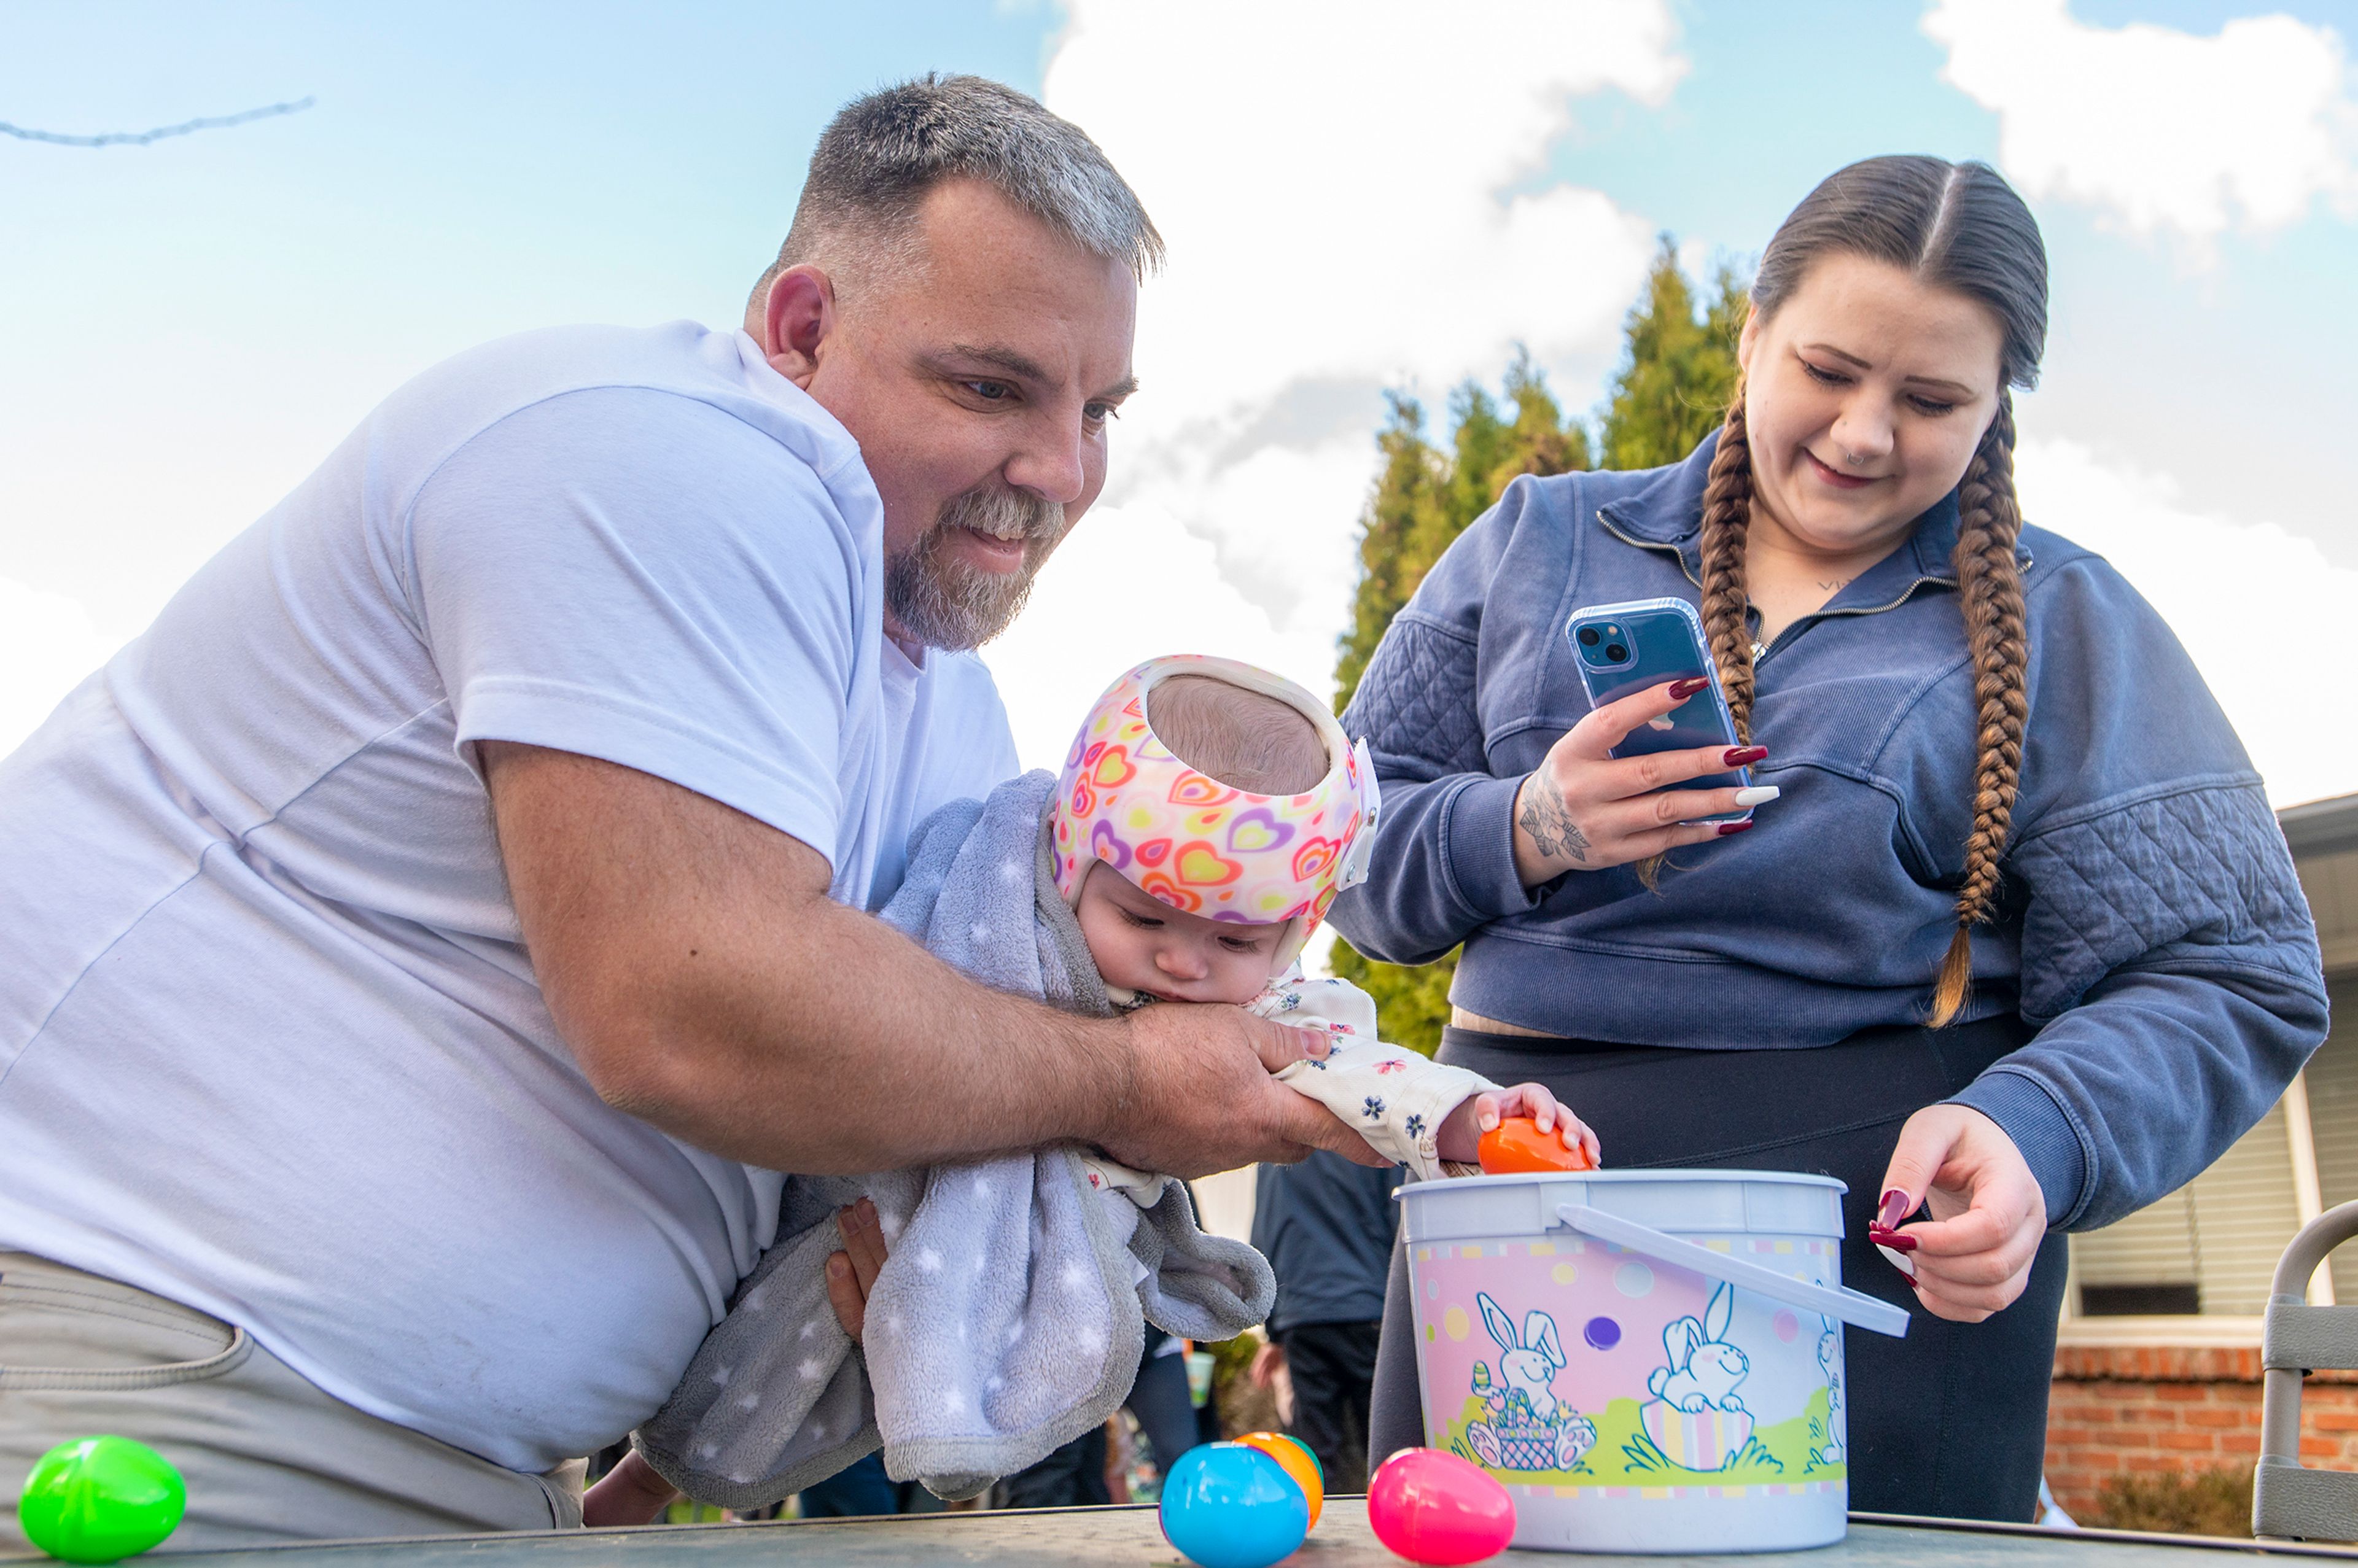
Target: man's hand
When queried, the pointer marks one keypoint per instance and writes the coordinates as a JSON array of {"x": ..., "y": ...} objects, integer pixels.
[
  {"x": 1200, "y": 1097},
  {"x": 1267, "y": 1363},
  {"x": 706, "y": 983}
]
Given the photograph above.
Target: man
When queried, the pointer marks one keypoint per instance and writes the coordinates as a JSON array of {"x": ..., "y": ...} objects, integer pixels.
[
  {"x": 427, "y": 941},
  {"x": 1327, "y": 1228}
]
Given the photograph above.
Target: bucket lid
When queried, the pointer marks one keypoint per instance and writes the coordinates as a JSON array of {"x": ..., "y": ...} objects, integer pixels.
[
  {"x": 1407, "y": 1190},
  {"x": 1686, "y": 1200},
  {"x": 1643, "y": 1211}
]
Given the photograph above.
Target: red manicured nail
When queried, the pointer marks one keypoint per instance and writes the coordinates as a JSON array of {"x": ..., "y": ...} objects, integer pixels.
[
  {"x": 1689, "y": 686},
  {"x": 1727, "y": 828},
  {"x": 1743, "y": 756},
  {"x": 1896, "y": 1206},
  {"x": 1898, "y": 1241}
]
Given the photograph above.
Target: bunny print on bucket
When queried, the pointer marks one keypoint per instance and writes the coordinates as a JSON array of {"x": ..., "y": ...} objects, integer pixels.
[
  {"x": 1829, "y": 1366},
  {"x": 1695, "y": 1415},
  {"x": 1703, "y": 1370},
  {"x": 1527, "y": 1428}
]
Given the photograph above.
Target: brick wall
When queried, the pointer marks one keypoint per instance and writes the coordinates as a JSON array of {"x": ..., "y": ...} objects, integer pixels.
[{"x": 2116, "y": 1409}]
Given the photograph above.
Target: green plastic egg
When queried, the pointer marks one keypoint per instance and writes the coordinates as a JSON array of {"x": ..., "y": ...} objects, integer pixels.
[{"x": 96, "y": 1499}]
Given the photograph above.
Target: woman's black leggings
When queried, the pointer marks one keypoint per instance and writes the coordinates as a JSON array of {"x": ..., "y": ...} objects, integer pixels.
[{"x": 1951, "y": 1420}]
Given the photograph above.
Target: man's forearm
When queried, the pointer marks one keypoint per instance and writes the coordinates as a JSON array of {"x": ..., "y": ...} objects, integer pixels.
[
  {"x": 843, "y": 1046},
  {"x": 782, "y": 1030}
]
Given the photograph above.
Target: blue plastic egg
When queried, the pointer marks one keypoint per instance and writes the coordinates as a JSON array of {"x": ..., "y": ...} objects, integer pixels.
[{"x": 1226, "y": 1505}]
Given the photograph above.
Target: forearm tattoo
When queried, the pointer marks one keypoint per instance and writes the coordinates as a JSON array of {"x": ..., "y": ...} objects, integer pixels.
[{"x": 1543, "y": 816}]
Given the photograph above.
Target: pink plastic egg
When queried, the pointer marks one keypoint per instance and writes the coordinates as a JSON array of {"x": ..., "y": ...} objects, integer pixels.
[{"x": 1435, "y": 1507}]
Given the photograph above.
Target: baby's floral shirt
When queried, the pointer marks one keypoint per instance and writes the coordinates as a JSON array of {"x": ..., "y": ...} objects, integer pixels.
[{"x": 1391, "y": 1096}]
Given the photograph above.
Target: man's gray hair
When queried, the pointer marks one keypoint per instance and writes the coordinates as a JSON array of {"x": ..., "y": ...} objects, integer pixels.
[{"x": 883, "y": 153}]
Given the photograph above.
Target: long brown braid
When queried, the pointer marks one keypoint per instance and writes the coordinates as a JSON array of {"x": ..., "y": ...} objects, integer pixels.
[
  {"x": 1961, "y": 228},
  {"x": 1989, "y": 591},
  {"x": 1727, "y": 525}
]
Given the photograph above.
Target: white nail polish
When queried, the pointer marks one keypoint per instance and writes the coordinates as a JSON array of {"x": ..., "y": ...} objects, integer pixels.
[{"x": 1758, "y": 795}]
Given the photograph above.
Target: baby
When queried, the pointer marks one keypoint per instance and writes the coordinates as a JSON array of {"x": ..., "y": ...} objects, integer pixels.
[
  {"x": 1207, "y": 813},
  {"x": 1200, "y": 849}
]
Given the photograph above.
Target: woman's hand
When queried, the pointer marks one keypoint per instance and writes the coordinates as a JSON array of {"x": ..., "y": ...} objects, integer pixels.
[
  {"x": 1974, "y": 1256},
  {"x": 1584, "y": 809}
]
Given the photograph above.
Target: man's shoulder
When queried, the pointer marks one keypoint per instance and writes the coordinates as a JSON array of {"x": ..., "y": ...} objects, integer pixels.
[{"x": 597, "y": 373}]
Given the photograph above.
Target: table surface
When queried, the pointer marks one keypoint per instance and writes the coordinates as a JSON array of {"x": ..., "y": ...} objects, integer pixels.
[{"x": 1057, "y": 1537}]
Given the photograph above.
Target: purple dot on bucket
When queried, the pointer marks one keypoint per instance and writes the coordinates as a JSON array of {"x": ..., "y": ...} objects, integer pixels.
[
  {"x": 1787, "y": 1325},
  {"x": 1601, "y": 1333}
]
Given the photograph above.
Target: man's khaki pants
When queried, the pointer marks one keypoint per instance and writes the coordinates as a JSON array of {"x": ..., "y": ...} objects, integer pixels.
[{"x": 267, "y": 1457}]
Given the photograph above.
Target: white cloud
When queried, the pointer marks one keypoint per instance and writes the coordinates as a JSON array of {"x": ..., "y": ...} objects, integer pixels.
[
  {"x": 1352, "y": 199},
  {"x": 1129, "y": 584},
  {"x": 2201, "y": 572},
  {"x": 48, "y": 643},
  {"x": 2157, "y": 128}
]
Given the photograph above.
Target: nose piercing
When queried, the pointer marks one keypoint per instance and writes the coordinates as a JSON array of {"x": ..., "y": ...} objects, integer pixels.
[{"x": 1855, "y": 462}]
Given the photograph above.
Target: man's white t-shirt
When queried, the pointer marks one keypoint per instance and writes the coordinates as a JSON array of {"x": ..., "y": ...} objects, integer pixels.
[{"x": 270, "y": 1042}]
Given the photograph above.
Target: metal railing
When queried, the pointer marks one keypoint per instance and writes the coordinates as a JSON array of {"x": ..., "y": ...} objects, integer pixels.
[{"x": 2289, "y": 1502}]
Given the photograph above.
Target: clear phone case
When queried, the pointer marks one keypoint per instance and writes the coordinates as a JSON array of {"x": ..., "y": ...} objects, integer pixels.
[{"x": 1656, "y": 640}]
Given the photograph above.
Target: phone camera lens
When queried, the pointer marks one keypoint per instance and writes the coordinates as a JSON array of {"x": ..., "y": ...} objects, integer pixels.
[
  {"x": 1588, "y": 636},
  {"x": 1616, "y": 652}
]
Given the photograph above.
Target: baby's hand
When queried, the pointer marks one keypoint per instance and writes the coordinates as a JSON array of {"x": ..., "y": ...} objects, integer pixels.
[
  {"x": 851, "y": 1273},
  {"x": 1461, "y": 1134}
]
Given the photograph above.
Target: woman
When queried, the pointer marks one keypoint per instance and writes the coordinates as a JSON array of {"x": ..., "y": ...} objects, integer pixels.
[{"x": 2019, "y": 943}]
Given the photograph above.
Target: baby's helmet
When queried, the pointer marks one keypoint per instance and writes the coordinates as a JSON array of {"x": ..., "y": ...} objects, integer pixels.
[{"x": 1200, "y": 846}]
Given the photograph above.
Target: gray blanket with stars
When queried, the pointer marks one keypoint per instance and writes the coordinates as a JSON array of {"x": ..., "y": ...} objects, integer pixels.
[{"x": 1008, "y": 1318}]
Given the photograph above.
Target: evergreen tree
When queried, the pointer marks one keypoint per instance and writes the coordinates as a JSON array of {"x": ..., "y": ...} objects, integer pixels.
[
  {"x": 1424, "y": 500},
  {"x": 1405, "y": 491},
  {"x": 1674, "y": 387},
  {"x": 1671, "y": 393}
]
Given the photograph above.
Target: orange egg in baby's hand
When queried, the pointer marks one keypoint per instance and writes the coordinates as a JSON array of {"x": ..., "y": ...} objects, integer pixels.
[{"x": 1517, "y": 1146}]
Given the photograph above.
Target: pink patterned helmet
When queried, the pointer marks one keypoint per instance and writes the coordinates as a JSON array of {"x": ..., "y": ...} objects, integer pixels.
[{"x": 1198, "y": 845}]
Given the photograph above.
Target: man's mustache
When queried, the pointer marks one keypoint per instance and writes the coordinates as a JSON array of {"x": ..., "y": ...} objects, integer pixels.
[{"x": 1003, "y": 511}]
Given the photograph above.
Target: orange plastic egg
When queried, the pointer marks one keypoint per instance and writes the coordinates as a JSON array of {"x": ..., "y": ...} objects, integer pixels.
[
  {"x": 1517, "y": 1146},
  {"x": 1299, "y": 1462}
]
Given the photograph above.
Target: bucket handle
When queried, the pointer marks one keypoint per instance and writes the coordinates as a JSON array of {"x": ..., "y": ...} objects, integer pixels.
[{"x": 1831, "y": 1301}]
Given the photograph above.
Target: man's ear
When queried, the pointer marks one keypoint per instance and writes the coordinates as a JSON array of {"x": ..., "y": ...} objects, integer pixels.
[{"x": 798, "y": 318}]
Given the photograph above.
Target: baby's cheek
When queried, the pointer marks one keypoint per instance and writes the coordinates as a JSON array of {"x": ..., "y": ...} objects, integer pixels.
[
  {"x": 1116, "y": 960},
  {"x": 1129, "y": 969},
  {"x": 1241, "y": 977}
]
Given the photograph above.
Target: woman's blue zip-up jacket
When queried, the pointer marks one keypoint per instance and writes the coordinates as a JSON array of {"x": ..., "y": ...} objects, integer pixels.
[{"x": 2151, "y": 930}]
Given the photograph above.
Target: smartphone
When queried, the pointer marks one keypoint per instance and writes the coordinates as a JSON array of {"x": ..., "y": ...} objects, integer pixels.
[{"x": 1625, "y": 648}]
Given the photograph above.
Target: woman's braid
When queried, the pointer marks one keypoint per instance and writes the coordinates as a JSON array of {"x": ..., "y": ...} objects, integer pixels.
[
  {"x": 1989, "y": 590},
  {"x": 1727, "y": 521}
]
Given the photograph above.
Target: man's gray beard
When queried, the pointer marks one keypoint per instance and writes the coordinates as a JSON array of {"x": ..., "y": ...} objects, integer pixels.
[{"x": 944, "y": 602}]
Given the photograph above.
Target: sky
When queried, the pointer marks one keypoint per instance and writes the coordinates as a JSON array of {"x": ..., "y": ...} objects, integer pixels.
[{"x": 1359, "y": 196}]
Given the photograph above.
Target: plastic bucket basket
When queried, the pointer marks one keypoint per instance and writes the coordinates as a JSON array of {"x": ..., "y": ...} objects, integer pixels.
[{"x": 1648, "y": 1360}]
